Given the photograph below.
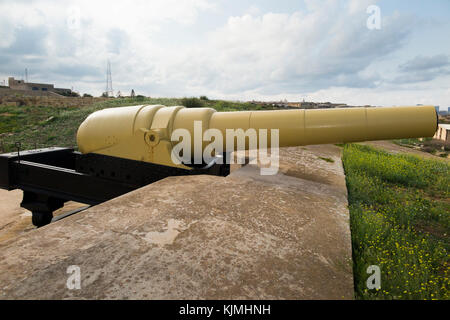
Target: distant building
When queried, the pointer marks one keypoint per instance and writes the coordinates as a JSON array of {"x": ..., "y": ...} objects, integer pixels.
[
  {"x": 443, "y": 132},
  {"x": 22, "y": 85},
  {"x": 437, "y": 109},
  {"x": 305, "y": 104}
]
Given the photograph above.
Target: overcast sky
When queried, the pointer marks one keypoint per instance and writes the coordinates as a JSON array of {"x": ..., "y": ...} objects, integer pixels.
[{"x": 240, "y": 50}]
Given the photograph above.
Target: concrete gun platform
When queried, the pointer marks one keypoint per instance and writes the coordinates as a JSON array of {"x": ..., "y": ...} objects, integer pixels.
[{"x": 245, "y": 236}]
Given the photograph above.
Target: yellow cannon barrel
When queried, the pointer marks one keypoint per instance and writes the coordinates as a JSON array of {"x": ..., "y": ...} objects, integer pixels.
[
  {"x": 322, "y": 126},
  {"x": 144, "y": 132}
]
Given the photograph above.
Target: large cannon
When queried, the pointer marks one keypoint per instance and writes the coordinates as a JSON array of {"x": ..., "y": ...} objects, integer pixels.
[
  {"x": 144, "y": 133},
  {"x": 122, "y": 149}
]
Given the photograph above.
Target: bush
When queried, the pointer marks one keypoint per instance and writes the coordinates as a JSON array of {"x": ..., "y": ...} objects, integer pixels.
[
  {"x": 71, "y": 94},
  {"x": 205, "y": 98},
  {"x": 223, "y": 105},
  {"x": 86, "y": 95},
  {"x": 429, "y": 149},
  {"x": 192, "y": 103},
  {"x": 21, "y": 102}
]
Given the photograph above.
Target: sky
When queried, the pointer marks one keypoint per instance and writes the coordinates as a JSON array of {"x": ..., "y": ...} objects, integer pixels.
[{"x": 315, "y": 50}]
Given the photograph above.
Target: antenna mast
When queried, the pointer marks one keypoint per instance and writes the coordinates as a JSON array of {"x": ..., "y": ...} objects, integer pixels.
[{"x": 109, "y": 89}]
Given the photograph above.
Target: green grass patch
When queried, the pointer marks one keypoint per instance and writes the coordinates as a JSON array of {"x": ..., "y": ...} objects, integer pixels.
[{"x": 399, "y": 208}]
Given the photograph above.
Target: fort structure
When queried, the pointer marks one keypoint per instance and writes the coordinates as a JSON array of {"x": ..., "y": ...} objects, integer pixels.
[{"x": 33, "y": 89}]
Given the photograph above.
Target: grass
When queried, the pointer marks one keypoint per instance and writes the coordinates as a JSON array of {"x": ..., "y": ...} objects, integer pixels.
[
  {"x": 40, "y": 126},
  {"x": 399, "y": 208}
]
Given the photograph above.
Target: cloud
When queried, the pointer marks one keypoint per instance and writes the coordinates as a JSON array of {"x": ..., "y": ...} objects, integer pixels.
[
  {"x": 296, "y": 52},
  {"x": 27, "y": 41},
  {"x": 79, "y": 71},
  {"x": 117, "y": 38},
  {"x": 421, "y": 63},
  {"x": 423, "y": 76},
  {"x": 182, "y": 48},
  {"x": 423, "y": 68},
  {"x": 71, "y": 40}
]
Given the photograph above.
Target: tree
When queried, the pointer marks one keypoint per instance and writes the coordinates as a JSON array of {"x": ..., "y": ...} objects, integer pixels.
[{"x": 132, "y": 93}]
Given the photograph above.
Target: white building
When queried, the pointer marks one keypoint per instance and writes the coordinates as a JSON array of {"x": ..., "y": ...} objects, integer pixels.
[{"x": 443, "y": 132}]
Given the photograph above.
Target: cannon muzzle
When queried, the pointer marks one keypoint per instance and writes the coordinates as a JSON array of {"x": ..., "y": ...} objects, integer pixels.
[{"x": 144, "y": 132}]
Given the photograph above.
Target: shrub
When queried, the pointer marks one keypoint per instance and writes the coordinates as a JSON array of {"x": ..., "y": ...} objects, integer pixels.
[
  {"x": 429, "y": 149},
  {"x": 222, "y": 105},
  {"x": 20, "y": 102},
  {"x": 192, "y": 103}
]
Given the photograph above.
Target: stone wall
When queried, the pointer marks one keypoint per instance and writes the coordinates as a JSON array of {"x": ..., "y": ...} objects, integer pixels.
[
  {"x": 49, "y": 100},
  {"x": 6, "y": 92}
]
